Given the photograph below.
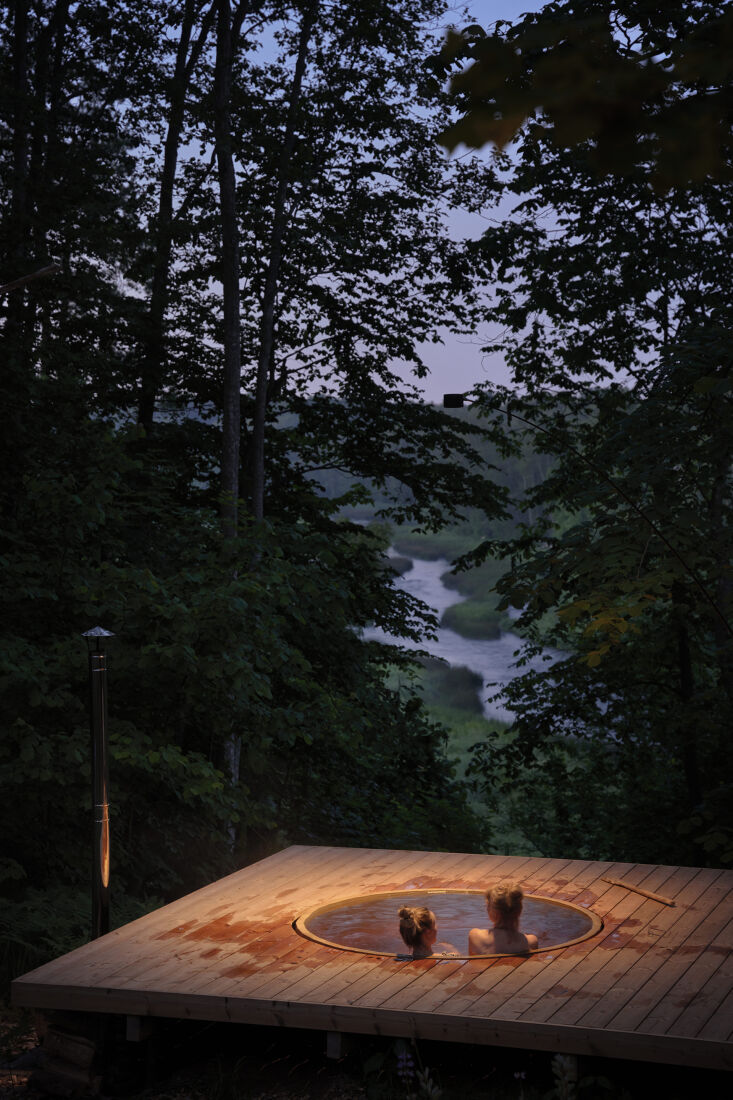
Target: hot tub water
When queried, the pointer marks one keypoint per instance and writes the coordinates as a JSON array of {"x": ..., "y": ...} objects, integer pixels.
[{"x": 370, "y": 924}]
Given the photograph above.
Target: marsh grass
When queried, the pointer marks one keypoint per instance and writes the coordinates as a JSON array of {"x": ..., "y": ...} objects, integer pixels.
[
  {"x": 476, "y": 619},
  {"x": 453, "y": 698}
]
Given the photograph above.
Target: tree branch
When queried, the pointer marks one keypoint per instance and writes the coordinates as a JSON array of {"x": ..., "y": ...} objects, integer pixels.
[{"x": 16, "y": 284}]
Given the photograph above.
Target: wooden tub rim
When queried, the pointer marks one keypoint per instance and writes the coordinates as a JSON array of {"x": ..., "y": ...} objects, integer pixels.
[{"x": 300, "y": 925}]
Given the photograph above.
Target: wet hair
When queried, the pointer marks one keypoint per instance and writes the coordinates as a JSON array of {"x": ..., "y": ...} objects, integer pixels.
[
  {"x": 506, "y": 899},
  {"x": 413, "y": 922}
]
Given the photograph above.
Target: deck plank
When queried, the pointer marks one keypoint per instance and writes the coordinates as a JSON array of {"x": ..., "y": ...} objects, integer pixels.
[
  {"x": 321, "y": 885},
  {"x": 654, "y": 984},
  {"x": 268, "y": 985},
  {"x": 629, "y": 999},
  {"x": 204, "y": 945},
  {"x": 482, "y": 990},
  {"x": 245, "y": 967},
  {"x": 592, "y": 976},
  {"x": 523, "y": 989},
  {"x": 673, "y": 968},
  {"x": 719, "y": 1027},
  {"x": 699, "y": 992},
  {"x": 241, "y": 886},
  {"x": 645, "y": 937},
  {"x": 218, "y": 893},
  {"x": 163, "y": 935}
]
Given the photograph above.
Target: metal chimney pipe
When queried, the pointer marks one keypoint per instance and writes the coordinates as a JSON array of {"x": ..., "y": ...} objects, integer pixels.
[{"x": 96, "y": 639}]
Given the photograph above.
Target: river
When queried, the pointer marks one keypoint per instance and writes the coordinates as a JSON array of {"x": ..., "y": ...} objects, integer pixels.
[{"x": 492, "y": 659}]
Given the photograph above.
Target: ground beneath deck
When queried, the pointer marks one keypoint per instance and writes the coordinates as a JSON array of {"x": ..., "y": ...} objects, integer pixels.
[{"x": 198, "y": 1061}]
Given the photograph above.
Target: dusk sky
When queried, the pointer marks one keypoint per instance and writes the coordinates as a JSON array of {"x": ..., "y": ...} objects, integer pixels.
[{"x": 458, "y": 363}]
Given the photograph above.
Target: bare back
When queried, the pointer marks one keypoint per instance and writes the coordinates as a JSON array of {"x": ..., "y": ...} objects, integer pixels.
[{"x": 500, "y": 941}]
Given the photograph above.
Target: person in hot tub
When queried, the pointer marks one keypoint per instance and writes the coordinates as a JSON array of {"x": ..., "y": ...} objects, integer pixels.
[
  {"x": 504, "y": 906},
  {"x": 420, "y": 932}
]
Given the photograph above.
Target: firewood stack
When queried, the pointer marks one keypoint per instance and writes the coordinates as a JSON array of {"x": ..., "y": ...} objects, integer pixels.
[{"x": 68, "y": 1064}]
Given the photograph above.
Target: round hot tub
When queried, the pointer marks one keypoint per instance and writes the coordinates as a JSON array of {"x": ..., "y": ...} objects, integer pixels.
[{"x": 369, "y": 924}]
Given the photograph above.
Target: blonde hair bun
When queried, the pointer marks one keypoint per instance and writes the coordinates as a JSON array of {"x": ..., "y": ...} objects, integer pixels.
[
  {"x": 414, "y": 920},
  {"x": 506, "y": 898}
]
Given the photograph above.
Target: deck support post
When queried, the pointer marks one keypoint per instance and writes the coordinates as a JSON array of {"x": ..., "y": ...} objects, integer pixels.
[
  {"x": 138, "y": 1028},
  {"x": 337, "y": 1045}
]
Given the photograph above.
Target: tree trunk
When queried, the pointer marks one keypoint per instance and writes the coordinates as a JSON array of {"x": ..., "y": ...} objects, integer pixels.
[
  {"x": 686, "y": 691},
  {"x": 153, "y": 369},
  {"x": 273, "y": 270},
  {"x": 17, "y": 369},
  {"x": 723, "y": 587},
  {"x": 231, "y": 420},
  {"x": 229, "y": 271},
  {"x": 21, "y": 141},
  {"x": 43, "y": 153}
]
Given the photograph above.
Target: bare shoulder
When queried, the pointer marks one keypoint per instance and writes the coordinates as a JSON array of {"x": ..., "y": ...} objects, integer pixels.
[
  {"x": 480, "y": 941},
  {"x": 532, "y": 941}
]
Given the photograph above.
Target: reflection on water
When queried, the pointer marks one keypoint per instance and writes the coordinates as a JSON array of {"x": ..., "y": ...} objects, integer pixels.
[
  {"x": 492, "y": 659},
  {"x": 372, "y": 925}
]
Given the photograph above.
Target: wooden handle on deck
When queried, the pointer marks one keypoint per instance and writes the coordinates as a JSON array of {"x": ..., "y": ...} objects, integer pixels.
[{"x": 638, "y": 890}]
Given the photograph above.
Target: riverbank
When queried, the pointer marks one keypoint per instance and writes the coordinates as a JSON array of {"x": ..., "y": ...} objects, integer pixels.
[
  {"x": 452, "y": 697},
  {"x": 492, "y": 659},
  {"x": 458, "y": 684}
]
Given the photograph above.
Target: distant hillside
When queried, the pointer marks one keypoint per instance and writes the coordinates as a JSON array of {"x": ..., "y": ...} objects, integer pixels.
[{"x": 518, "y": 474}]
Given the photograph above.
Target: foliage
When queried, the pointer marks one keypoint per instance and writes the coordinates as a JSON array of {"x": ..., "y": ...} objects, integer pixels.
[
  {"x": 613, "y": 314},
  {"x": 49, "y": 921},
  {"x": 643, "y": 89},
  {"x": 476, "y": 582},
  {"x": 400, "y": 1071},
  {"x": 441, "y": 684},
  {"x": 160, "y": 580}
]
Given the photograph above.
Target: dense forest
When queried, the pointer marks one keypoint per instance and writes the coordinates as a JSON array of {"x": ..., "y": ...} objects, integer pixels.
[{"x": 225, "y": 241}]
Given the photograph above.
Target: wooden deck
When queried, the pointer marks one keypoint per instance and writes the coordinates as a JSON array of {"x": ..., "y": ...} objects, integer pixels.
[{"x": 655, "y": 984}]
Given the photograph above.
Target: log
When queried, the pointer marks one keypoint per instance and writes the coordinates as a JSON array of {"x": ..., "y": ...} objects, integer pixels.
[
  {"x": 60, "y": 1078},
  {"x": 70, "y": 1048}
]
